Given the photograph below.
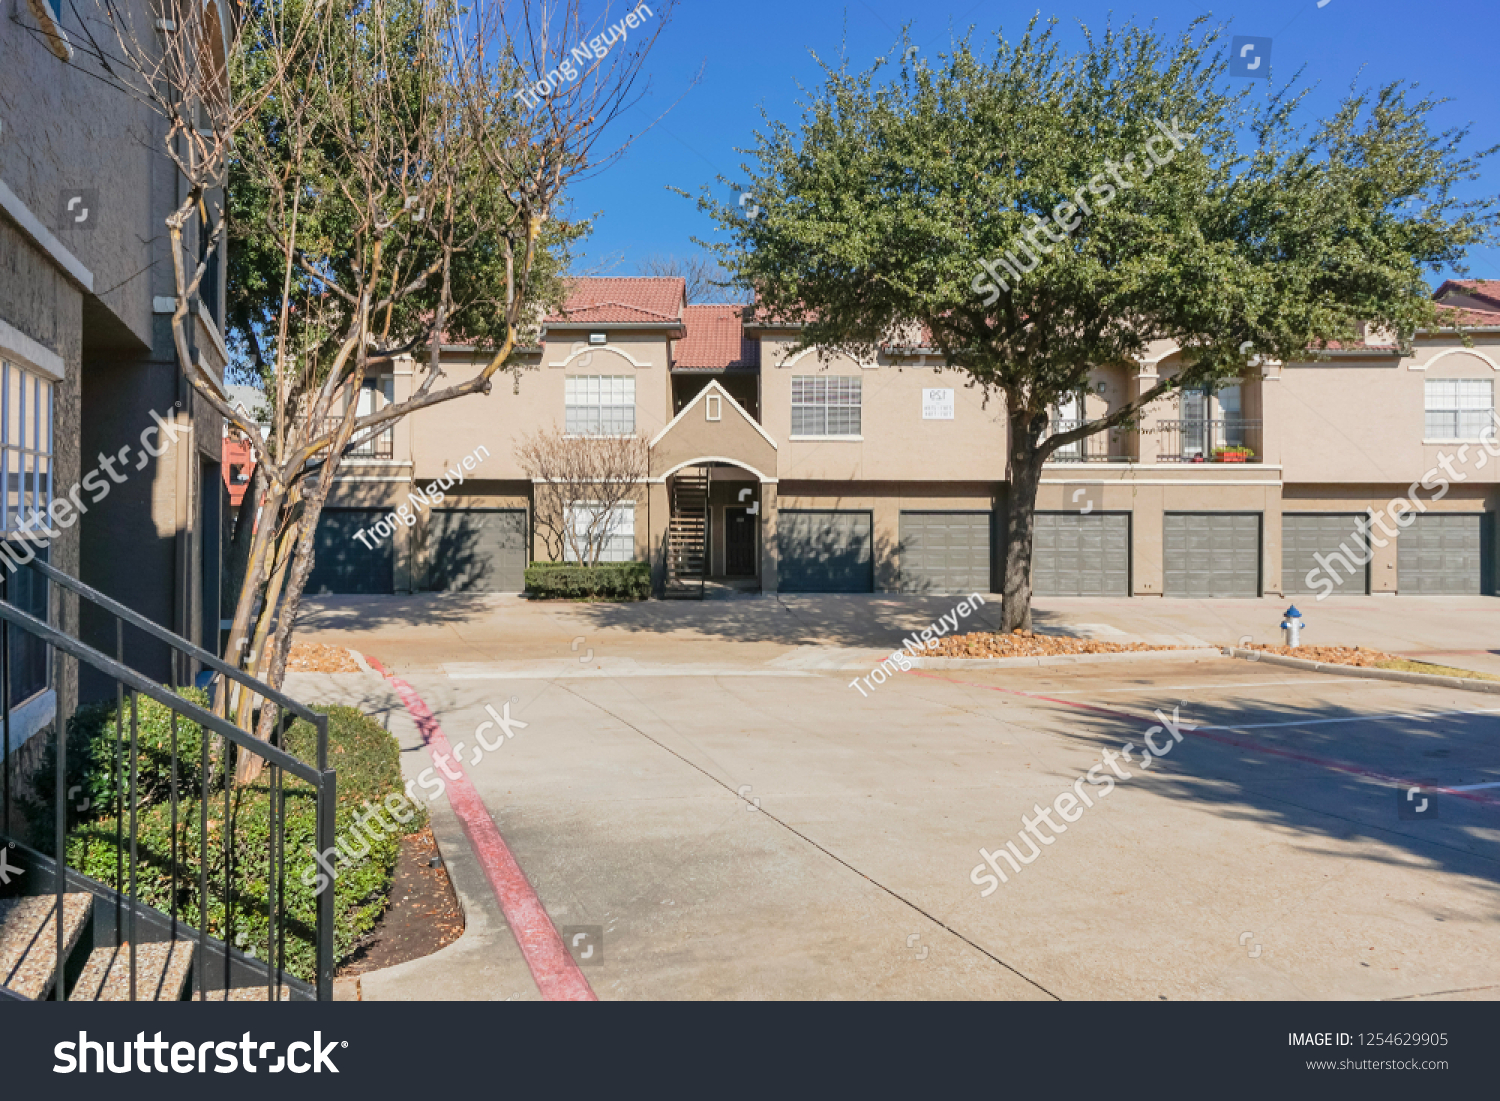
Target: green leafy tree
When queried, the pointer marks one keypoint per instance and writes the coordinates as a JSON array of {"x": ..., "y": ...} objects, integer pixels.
[
  {"x": 396, "y": 173},
  {"x": 1138, "y": 200}
]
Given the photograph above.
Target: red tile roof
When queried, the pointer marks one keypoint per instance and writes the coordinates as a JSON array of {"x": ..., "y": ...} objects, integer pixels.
[
  {"x": 715, "y": 340},
  {"x": 639, "y": 300},
  {"x": 1476, "y": 305}
]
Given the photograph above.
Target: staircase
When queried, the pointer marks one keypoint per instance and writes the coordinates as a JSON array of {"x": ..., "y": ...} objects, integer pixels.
[
  {"x": 64, "y": 935},
  {"x": 167, "y": 962},
  {"x": 687, "y": 536}
]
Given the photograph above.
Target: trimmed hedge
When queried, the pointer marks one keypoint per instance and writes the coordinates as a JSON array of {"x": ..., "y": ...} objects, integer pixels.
[
  {"x": 606, "y": 581},
  {"x": 366, "y": 758}
]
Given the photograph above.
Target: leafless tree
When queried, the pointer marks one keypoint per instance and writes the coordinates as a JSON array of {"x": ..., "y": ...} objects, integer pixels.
[
  {"x": 580, "y": 483},
  {"x": 706, "y": 280},
  {"x": 405, "y": 162}
]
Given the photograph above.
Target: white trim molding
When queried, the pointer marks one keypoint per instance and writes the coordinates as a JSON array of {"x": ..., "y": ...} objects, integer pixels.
[
  {"x": 40, "y": 358},
  {"x": 1475, "y": 352},
  {"x": 29, "y": 717},
  {"x": 714, "y": 387},
  {"x": 589, "y": 348},
  {"x": 662, "y": 478},
  {"x": 213, "y": 379},
  {"x": 32, "y": 226},
  {"x": 213, "y": 332}
]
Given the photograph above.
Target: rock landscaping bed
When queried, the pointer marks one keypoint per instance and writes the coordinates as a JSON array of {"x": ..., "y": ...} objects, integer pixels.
[
  {"x": 1367, "y": 659},
  {"x": 1029, "y": 644},
  {"x": 316, "y": 657}
]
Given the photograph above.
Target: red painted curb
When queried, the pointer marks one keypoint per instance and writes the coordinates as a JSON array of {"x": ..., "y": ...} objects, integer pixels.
[
  {"x": 556, "y": 973},
  {"x": 1238, "y": 743}
]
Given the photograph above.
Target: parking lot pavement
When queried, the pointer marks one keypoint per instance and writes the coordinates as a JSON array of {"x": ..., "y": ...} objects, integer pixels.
[{"x": 777, "y": 837}]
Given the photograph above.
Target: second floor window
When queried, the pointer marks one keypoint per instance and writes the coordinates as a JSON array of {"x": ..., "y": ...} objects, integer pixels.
[
  {"x": 1459, "y": 408},
  {"x": 825, "y": 405},
  {"x": 600, "y": 405}
]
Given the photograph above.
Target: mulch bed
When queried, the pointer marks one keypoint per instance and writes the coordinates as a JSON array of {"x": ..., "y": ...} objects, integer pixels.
[
  {"x": 1028, "y": 644},
  {"x": 423, "y": 915}
]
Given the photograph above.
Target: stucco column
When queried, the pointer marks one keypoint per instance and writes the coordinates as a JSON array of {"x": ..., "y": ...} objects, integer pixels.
[
  {"x": 658, "y": 514},
  {"x": 768, "y": 575},
  {"x": 1147, "y": 442}
]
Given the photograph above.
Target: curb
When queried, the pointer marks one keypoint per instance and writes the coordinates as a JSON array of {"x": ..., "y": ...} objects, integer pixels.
[
  {"x": 1491, "y": 688},
  {"x": 359, "y": 659},
  {"x": 1062, "y": 659}
]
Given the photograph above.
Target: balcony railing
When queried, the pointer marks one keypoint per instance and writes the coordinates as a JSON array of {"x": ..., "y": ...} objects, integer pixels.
[
  {"x": 1232, "y": 440},
  {"x": 160, "y": 882},
  {"x": 1109, "y": 446},
  {"x": 366, "y": 443}
]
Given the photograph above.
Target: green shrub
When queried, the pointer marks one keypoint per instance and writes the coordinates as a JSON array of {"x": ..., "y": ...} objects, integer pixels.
[
  {"x": 367, "y": 761},
  {"x": 606, "y": 581}
]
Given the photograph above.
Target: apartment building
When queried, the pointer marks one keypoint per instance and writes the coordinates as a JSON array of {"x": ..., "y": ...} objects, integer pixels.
[
  {"x": 807, "y": 472},
  {"x": 87, "y": 355}
]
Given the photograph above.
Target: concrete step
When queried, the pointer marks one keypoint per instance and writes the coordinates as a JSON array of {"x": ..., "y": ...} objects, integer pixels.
[
  {"x": 161, "y": 973},
  {"x": 28, "y": 939},
  {"x": 243, "y": 994}
]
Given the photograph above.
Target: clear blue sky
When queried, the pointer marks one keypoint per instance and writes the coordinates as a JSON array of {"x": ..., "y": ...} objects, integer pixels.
[{"x": 754, "y": 55}]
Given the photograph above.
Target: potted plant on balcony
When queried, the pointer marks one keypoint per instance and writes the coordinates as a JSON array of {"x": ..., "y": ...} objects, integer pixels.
[{"x": 1233, "y": 453}]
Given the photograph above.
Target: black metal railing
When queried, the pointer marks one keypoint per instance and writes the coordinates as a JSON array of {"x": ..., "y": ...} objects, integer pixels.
[
  {"x": 366, "y": 443},
  {"x": 1112, "y": 445},
  {"x": 121, "y": 916},
  {"x": 1231, "y": 440}
]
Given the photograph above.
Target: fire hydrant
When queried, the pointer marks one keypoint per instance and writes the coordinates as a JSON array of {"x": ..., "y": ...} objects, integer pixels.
[{"x": 1291, "y": 627}]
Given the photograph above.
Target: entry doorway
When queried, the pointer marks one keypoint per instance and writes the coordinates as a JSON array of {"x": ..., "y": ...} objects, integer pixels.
[{"x": 741, "y": 542}]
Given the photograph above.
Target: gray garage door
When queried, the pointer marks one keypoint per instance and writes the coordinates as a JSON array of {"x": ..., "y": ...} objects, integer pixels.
[
  {"x": 825, "y": 552},
  {"x": 945, "y": 552},
  {"x": 1339, "y": 537},
  {"x": 343, "y": 563},
  {"x": 1211, "y": 554},
  {"x": 1081, "y": 555},
  {"x": 476, "y": 550},
  {"x": 1444, "y": 554}
]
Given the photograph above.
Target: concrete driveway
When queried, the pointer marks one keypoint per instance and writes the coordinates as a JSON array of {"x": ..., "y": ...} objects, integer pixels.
[{"x": 740, "y": 823}]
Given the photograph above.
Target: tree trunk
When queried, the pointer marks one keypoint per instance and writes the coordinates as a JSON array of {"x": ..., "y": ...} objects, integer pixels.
[{"x": 1024, "y": 432}]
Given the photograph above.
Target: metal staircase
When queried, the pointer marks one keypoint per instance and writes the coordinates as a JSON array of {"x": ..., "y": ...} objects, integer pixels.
[
  {"x": 110, "y": 944},
  {"x": 687, "y": 535}
]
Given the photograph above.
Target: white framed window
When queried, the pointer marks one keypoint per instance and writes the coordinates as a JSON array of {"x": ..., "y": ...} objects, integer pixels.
[
  {"x": 600, "y": 405},
  {"x": 613, "y": 531},
  {"x": 714, "y": 407},
  {"x": 25, "y": 448},
  {"x": 826, "y": 405},
  {"x": 1459, "y": 408}
]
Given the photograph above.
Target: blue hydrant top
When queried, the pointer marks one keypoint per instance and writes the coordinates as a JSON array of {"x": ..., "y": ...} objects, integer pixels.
[{"x": 1293, "y": 613}]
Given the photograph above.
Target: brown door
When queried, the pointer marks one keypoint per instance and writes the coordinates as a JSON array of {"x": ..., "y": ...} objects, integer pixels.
[{"x": 739, "y": 542}]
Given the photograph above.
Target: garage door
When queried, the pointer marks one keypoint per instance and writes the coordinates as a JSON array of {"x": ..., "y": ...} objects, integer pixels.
[
  {"x": 1339, "y": 537},
  {"x": 825, "y": 552},
  {"x": 1081, "y": 555},
  {"x": 476, "y": 550},
  {"x": 1211, "y": 554},
  {"x": 344, "y": 564},
  {"x": 945, "y": 552},
  {"x": 1444, "y": 554}
]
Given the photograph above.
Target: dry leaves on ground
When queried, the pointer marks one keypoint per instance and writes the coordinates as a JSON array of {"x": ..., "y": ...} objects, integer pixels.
[
  {"x": 316, "y": 657},
  {"x": 1028, "y": 644}
]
